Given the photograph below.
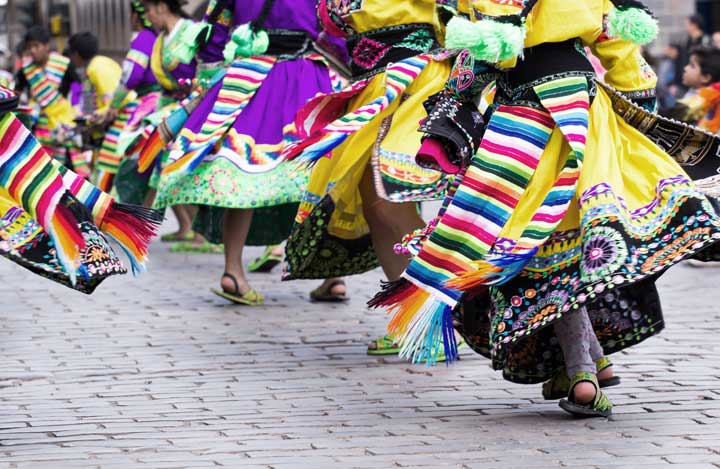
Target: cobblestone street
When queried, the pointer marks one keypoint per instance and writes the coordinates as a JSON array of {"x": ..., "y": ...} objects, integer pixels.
[{"x": 157, "y": 372}]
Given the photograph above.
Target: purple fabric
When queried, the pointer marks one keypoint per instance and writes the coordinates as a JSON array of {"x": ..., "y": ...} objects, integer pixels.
[
  {"x": 285, "y": 90},
  {"x": 135, "y": 76},
  {"x": 285, "y": 14},
  {"x": 76, "y": 93},
  {"x": 186, "y": 71},
  {"x": 275, "y": 103}
]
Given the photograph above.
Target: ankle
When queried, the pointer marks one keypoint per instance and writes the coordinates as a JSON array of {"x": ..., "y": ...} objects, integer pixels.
[
  {"x": 606, "y": 373},
  {"x": 584, "y": 392}
]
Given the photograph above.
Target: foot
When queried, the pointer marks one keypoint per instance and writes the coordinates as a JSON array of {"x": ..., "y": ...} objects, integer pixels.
[
  {"x": 277, "y": 250},
  {"x": 584, "y": 393},
  {"x": 236, "y": 284},
  {"x": 383, "y": 345},
  {"x": 178, "y": 236},
  {"x": 606, "y": 374},
  {"x": 332, "y": 290}
]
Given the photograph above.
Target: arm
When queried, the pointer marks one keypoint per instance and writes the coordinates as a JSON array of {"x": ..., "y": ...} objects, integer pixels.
[{"x": 71, "y": 76}]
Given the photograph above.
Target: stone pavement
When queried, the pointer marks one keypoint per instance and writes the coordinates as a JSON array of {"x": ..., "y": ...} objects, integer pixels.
[{"x": 157, "y": 372}]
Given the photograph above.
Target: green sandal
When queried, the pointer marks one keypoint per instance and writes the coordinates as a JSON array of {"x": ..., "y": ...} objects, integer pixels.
[
  {"x": 600, "y": 405},
  {"x": 190, "y": 247},
  {"x": 558, "y": 386},
  {"x": 173, "y": 237},
  {"x": 384, "y": 345},
  {"x": 250, "y": 298},
  {"x": 266, "y": 262}
]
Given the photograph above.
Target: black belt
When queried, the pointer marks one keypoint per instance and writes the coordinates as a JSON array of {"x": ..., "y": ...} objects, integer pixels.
[
  {"x": 288, "y": 44},
  {"x": 371, "y": 52},
  {"x": 548, "y": 59}
]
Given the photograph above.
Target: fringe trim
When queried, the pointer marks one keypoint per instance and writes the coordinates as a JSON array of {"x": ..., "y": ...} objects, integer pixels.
[
  {"x": 132, "y": 227},
  {"x": 421, "y": 323},
  {"x": 496, "y": 270}
]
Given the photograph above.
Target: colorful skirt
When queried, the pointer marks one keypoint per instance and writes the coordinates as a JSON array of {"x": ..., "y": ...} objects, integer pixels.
[
  {"x": 378, "y": 129},
  {"x": 228, "y": 155},
  {"x": 632, "y": 213},
  {"x": 116, "y": 141}
]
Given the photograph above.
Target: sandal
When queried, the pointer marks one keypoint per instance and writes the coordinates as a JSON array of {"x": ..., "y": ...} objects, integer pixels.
[
  {"x": 384, "y": 345},
  {"x": 250, "y": 298},
  {"x": 325, "y": 295},
  {"x": 558, "y": 386},
  {"x": 600, "y": 405},
  {"x": 266, "y": 262},
  {"x": 190, "y": 247},
  {"x": 173, "y": 237}
]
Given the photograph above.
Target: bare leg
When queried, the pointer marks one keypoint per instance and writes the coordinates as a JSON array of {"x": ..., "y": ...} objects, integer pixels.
[
  {"x": 388, "y": 222},
  {"x": 235, "y": 232},
  {"x": 150, "y": 198}
]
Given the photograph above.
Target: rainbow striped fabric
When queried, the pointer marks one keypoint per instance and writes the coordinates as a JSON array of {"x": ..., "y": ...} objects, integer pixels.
[
  {"x": 242, "y": 80},
  {"x": 27, "y": 174},
  {"x": 320, "y": 136},
  {"x": 109, "y": 157},
  {"x": 45, "y": 82},
  {"x": 465, "y": 251}
]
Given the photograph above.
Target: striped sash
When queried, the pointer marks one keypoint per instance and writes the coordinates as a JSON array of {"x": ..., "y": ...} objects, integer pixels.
[{"x": 45, "y": 82}]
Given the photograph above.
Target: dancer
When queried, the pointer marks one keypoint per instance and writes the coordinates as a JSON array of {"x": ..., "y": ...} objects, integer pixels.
[
  {"x": 563, "y": 216},
  {"x": 54, "y": 222},
  {"x": 47, "y": 76},
  {"x": 135, "y": 98},
  {"x": 228, "y": 154},
  {"x": 363, "y": 198},
  {"x": 175, "y": 78}
]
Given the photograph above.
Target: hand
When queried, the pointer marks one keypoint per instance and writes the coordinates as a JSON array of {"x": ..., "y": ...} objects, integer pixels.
[{"x": 111, "y": 115}]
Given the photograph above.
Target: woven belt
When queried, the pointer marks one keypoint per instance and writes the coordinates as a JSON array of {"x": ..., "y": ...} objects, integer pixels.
[
  {"x": 286, "y": 44},
  {"x": 372, "y": 51}
]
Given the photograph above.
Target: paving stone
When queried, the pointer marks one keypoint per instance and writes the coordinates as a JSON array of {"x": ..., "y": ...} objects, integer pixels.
[{"x": 155, "y": 372}]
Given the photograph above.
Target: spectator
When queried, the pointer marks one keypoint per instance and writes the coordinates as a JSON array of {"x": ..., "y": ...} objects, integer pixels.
[
  {"x": 696, "y": 37},
  {"x": 701, "y": 105},
  {"x": 716, "y": 39},
  {"x": 667, "y": 91}
]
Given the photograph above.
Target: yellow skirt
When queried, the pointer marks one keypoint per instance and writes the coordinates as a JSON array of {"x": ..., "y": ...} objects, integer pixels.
[{"x": 332, "y": 237}]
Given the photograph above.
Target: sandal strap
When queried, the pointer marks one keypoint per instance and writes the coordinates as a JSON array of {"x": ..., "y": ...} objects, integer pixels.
[
  {"x": 235, "y": 282},
  {"x": 584, "y": 377},
  {"x": 603, "y": 364}
]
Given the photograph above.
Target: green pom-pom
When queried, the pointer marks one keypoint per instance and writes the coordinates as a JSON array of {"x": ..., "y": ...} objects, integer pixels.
[
  {"x": 188, "y": 41},
  {"x": 487, "y": 40},
  {"x": 246, "y": 42},
  {"x": 633, "y": 25}
]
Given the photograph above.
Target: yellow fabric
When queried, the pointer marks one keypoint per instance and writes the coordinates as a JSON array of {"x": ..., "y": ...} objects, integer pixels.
[
  {"x": 104, "y": 75},
  {"x": 376, "y": 14},
  {"x": 156, "y": 64},
  {"x": 616, "y": 154},
  {"x": 343, "y": 171},
  {"x": 562, "y": 20},
  {"x": 59, "y": 113}
]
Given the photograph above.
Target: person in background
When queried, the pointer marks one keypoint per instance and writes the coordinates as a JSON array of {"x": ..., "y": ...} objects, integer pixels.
[
  {"x": 716, "y": 39},
  {"x": 667, "y": 90},
  {"x": 701, "y": 106},
  {"x": 696, "y": 37},
  {"x": 47, "y": 77}
]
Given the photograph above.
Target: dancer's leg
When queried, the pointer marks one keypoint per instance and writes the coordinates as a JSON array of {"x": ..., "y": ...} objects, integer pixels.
[
  {"x": 235, "y": 232},
  {"x": 573, "y": 332},
  {"x": 388, "y": 222}
]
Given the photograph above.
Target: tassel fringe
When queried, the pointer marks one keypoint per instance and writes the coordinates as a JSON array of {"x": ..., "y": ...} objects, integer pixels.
[
  {"x": 420, "y": 323},
  {"x": 133, "y": 227},
  {"x": 497, "y": 270}
]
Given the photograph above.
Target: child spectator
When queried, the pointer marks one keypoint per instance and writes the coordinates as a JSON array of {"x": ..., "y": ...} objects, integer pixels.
[{"x": 702, "y": 77}]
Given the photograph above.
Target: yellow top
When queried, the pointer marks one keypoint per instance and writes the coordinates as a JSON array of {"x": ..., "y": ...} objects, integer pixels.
[
  {"x": 104, "y": 75},
  {"x": 562, "y": 20},
  {"x": 375, "y": 14}
]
